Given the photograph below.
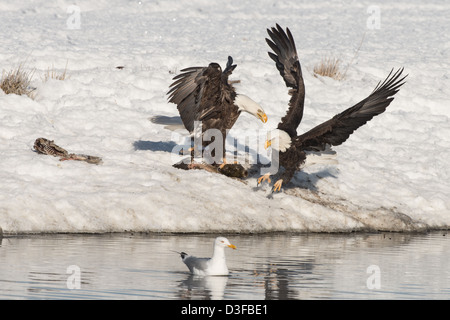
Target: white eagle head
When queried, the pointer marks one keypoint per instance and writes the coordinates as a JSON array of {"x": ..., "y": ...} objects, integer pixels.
[
  {"x": 246, "y": 104},
  {"x": 278, "y": 139}
]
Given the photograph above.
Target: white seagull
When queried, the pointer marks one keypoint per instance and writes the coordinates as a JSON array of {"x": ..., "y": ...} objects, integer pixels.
[{"x": 214, "y": 266}]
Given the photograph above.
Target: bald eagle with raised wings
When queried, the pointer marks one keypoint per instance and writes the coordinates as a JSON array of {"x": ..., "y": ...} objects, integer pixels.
[
  {"x": 206, "y": 96},
  {"x": 293, "y": 149}
]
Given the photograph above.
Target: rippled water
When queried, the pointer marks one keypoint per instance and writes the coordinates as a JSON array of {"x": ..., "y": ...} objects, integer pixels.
[{"x": 273, "y": 266}]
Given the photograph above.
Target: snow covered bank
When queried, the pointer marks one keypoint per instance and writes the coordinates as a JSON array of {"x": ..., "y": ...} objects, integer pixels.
[{"x": 393, "y": 174}]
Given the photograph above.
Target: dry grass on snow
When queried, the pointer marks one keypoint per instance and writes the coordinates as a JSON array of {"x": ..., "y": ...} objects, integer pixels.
[{"x": 17, "y": 81}]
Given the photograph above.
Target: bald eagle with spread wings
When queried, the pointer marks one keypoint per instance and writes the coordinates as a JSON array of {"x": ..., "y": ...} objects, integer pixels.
[
  {"x": 206, "y": 96},
  {"x": 293, "y": 149}
]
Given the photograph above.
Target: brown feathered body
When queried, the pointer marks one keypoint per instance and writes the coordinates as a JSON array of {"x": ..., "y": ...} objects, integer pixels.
[{"x": 204, "y": 94}]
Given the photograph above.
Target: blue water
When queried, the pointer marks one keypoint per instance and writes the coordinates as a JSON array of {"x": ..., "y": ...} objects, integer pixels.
[{"x": 272, "y": 266}]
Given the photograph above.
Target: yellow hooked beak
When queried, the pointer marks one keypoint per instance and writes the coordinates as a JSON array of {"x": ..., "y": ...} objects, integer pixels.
[
  {"x": 267, "y": 144},
  {"x": 232, "y": 246},
  {"x": 262, "y": 116}
]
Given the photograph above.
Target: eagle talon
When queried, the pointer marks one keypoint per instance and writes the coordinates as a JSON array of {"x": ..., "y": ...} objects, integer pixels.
[
  {"x": 264, "y": 178},
  {"x": 277, "y": 185},
  {"x": 223, "y": 164}
]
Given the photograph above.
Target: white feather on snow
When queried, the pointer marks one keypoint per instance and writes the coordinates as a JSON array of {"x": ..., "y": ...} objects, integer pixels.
[{"x": 393, "y": 173}]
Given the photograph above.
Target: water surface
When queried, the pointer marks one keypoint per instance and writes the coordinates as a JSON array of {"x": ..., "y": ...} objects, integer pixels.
[{"x": 272, "y": 266}]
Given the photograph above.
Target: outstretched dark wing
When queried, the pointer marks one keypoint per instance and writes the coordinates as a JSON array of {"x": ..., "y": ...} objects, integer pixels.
[
  {"x": 336, "y": 130},
  {"x": 194, "y": 91},
  {"x": 186, "y": 93},
  {"x": 287, "y": 63}
]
